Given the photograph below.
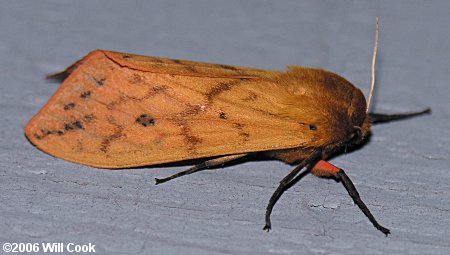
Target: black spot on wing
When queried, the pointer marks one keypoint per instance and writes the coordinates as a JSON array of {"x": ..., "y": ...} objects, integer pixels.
[
  {"x": 73, "y": 126},
  {"x": 145, "y": 120},
  {"x": 222, "y": 115},
  {"x": 70, "y": 126},
  {"x": 69, "y": 106},
  {"x": 85, "y": 94}
]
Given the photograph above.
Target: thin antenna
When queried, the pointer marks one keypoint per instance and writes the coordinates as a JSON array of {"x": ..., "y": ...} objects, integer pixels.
[{"x": 374, "y": 56}]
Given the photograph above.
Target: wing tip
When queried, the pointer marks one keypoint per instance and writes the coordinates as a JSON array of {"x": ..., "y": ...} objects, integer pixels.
[{"x": 62, "y": 75}]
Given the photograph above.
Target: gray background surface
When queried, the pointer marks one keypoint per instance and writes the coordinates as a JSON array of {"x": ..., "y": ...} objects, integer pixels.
[{"x": 402, "y": 174}]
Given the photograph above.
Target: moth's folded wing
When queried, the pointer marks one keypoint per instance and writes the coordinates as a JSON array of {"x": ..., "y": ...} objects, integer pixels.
[{"x": 110, "y": 115}]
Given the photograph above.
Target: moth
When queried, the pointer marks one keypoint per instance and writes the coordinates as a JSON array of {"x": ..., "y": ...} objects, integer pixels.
[{"x": 120, "y": 110}]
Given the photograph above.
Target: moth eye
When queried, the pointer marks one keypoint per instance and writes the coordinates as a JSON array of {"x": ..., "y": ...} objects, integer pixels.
[{"x": 312, "y": 127}]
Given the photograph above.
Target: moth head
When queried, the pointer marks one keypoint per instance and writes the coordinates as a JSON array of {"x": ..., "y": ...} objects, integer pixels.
[{"x": 359, "y": 134}]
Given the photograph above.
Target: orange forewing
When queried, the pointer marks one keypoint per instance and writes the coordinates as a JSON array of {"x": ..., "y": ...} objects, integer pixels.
[{"x": 119, "y": 110}]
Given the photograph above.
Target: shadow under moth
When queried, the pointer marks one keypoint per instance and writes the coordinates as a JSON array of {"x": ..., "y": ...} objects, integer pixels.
[{"x": 119, "y": 110}]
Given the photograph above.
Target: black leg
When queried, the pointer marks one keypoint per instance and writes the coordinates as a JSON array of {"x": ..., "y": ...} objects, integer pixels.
[
  {"x": 202, "y": 166},
  {"x": 288, "y": 182},
  {"x": 348, "y": 184},
  {"x": 380, "y": 118}
]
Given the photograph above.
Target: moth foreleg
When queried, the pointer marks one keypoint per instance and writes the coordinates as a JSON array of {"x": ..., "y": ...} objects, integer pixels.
[
  {"x": 202, "y": 166},
  {"x": 325, "y": 169},
  {"x": 288, "y": 181},
  {"x": 380, "y": 118}
]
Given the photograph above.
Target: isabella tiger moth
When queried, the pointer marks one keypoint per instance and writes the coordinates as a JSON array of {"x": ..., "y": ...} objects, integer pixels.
[{"x": 119, "y": 110}]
